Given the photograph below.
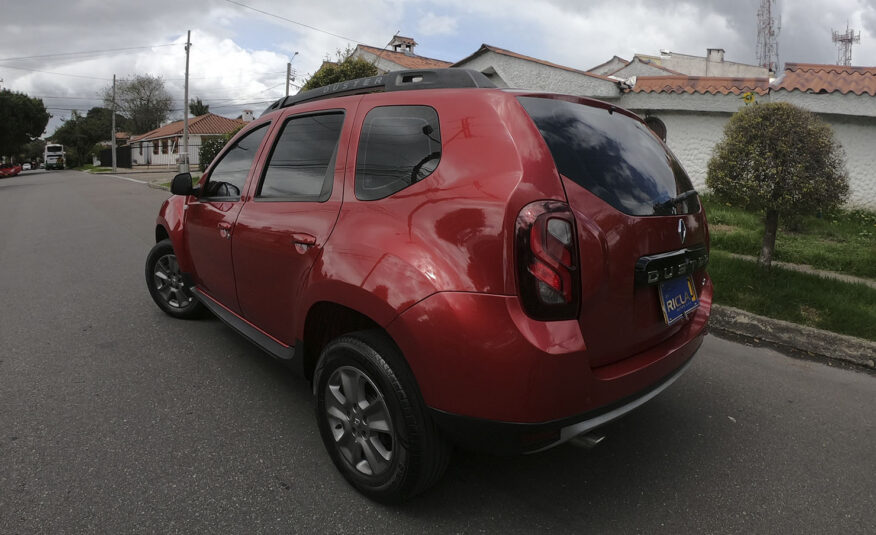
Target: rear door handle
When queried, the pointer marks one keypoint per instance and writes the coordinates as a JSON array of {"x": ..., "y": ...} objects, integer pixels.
[
  {"x": 303, "y": 238},
  {"x": 224, "y": 229}
]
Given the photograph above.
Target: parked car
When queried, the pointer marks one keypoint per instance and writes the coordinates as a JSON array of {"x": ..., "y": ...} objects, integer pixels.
[
  {"x": 25, "y": 167},
  {"x": 447, "y": 263},
  {"x": 9, "y": 170}
]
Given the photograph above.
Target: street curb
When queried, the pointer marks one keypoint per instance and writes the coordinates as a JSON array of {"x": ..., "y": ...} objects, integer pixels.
[
  {"x": 157, "y": 186},
  {"x": 814, "y": 342}
]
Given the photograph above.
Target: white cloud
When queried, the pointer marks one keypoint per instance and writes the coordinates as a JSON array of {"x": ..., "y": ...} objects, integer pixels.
[{"x": 432, "y": 24}]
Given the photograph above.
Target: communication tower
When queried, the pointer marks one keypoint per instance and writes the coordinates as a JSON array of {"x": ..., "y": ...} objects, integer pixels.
[
  {"x": 844, "y": 41},
  {"x": 767, "y": 35}
]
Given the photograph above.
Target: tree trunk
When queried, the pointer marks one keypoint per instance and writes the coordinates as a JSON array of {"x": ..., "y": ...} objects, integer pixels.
[{"x": 769, "y": 239}]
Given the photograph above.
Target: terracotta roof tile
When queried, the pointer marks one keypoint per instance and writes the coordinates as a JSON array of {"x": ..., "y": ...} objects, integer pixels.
[
  {"x": 208, "y": 124},
  {"x": 405, "y": 60},
  {"x": 485, "y": 48},
  {"x": 700, "y": 84},
  {"x": 815, "y": 78}
]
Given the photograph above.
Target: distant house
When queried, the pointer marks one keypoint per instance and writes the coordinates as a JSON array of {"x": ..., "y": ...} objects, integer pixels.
[
  {"x": 399, "y": 56},
  {"x": 510, "y": 69},
  {"x": 162, "y": 146},
  {"x": 712, "y": 64}
]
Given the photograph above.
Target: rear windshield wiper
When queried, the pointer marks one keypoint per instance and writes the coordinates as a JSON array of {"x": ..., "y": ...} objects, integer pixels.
[{"x": 672, "y": 201}]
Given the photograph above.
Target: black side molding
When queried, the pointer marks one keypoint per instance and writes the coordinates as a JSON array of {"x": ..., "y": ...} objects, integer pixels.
[{"x": 265, "y": 342}]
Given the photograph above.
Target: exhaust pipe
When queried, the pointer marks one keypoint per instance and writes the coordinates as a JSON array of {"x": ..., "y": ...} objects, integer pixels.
[{"x": 587, "y": 440}]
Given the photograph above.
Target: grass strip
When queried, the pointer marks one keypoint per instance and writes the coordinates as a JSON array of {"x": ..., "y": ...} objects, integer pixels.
[
  {"x": 843, "y": 241},
  {"x": 196, "y": 177},
  {"x": 800, "y": 298}
]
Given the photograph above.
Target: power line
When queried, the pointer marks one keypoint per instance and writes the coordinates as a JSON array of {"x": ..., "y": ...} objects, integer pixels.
[
  {"x": 89, "y": 52},
  {"x": 55, "y": 73},
  {"x": 295, "y": 22}
]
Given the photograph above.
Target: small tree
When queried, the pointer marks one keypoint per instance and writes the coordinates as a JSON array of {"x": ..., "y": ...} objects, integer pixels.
[
  {"x": 346, "y": 67},
  {"x": 780, "y": 160},
  {"x": 197, "y": 108}
]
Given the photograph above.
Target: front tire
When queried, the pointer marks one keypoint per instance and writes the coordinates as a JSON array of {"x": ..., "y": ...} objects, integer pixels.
[
  {"x": 166, "y": 286},
  {"x": 373, "y": 421}
]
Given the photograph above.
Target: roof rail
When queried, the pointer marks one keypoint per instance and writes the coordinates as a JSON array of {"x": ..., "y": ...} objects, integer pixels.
[{"x": 391, "y": 81}]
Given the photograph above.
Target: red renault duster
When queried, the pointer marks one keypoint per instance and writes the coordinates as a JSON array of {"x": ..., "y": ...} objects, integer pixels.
[{"x": 447, "y": 263}]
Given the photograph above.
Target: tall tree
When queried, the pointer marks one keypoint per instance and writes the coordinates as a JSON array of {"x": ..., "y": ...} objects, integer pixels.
[
  {"x": 780, "y": 160},
  {"x": 24, "y": 118},
  {"x": 196, "y": 107},
  {"x": 80, "y": 133},
  {"x": 143, "y": 100},
  {"x": 346, "y": 67}
]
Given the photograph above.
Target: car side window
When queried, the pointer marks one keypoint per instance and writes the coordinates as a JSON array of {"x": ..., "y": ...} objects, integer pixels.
[
  {"x": 301, "y": 165},
  {"x": 229, "y": 174},
  {"x": 398, "y": 147}
]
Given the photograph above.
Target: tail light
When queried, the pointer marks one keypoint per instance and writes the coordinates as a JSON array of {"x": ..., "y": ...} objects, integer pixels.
[{"x": 547, "y": 261}]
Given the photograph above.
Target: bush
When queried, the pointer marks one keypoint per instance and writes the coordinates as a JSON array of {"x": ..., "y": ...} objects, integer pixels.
[
  {"x": 778, "y": 159},
  {"x": 210, "y": 148}
]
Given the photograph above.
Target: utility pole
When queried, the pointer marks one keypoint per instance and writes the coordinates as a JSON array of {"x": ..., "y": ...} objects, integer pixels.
[
  {"x": 184, "y": 161},
  {"x": 289, "y": 77},
  {"x": 113, "y": 138}
]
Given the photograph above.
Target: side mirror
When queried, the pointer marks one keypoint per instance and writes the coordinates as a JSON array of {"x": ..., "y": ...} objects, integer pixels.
[{"x": 182, "y": 184}]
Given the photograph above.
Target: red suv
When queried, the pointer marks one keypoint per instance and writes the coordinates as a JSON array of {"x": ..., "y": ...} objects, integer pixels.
[{"x": 447, "y": 263}]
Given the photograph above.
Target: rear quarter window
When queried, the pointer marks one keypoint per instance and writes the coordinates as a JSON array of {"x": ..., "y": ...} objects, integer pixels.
[
  {"x": 612, "y": 155},
  {"x": 398, "y": 147}
]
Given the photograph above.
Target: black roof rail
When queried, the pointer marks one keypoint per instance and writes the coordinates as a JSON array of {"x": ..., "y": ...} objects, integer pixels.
[{"x": 391, "y": 81}]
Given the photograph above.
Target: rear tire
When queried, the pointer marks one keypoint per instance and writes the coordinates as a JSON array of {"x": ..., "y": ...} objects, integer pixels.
[
  {"x": 166, "y": 286},
  {"x": 373, "y": 421}
]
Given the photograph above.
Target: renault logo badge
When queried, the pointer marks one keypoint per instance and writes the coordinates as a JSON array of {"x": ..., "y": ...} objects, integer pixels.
[{"x": 682, "y": 230}]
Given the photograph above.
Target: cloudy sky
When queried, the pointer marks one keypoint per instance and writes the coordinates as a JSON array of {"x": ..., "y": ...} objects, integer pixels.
[{"x": 66, "y": 51}]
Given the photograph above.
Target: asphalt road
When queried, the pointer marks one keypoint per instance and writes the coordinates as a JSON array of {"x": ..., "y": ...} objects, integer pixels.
[{"x": 116, "y": 418}]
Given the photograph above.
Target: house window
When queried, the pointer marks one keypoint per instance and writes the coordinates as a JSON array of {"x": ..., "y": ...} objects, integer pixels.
[
  {"x": 155, "y": 147},
  {"x": 141, "y": 149},
  {"x": 164, "y": 146}
]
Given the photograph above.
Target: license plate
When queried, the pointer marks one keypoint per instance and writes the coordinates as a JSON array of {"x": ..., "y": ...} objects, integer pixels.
[{"x": 677, "y": 298}]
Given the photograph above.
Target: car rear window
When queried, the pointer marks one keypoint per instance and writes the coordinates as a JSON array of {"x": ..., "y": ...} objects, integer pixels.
[{"x": 614, "y": 156}]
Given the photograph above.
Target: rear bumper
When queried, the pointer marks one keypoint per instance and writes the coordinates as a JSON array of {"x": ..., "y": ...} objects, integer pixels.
[
  {"x": 511, "y": 438},
  {"x": 496, "y": 379}
]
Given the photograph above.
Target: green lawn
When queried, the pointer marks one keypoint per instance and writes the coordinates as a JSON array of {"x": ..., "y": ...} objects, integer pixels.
[
  {"x": 797, "y": 297},
  {"x": 843, "y": 241},
  {"x": 92, "y": 168}
]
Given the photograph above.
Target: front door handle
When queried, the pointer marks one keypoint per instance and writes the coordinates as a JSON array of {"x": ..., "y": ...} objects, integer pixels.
[
  {"x": 224, "y": 229},
  {"x": 303, "y": 238}
]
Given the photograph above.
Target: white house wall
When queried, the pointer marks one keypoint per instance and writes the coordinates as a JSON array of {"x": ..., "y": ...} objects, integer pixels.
[
  {"x": 833, "y": 103},
  {"x": 524, "y": 74},
  {"x": 692, "y": 137},
  {"x": 858, "y": 137},
  {"x": 692, "y": 132}
]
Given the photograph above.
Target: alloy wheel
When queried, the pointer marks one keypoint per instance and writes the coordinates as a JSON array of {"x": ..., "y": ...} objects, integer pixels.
[
  {"x": 359, "y": 421},
  {"x": 169, "y": 282}
]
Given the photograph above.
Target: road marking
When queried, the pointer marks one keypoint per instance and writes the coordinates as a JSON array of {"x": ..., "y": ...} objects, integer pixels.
[{"x": 125, "y": 178}]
